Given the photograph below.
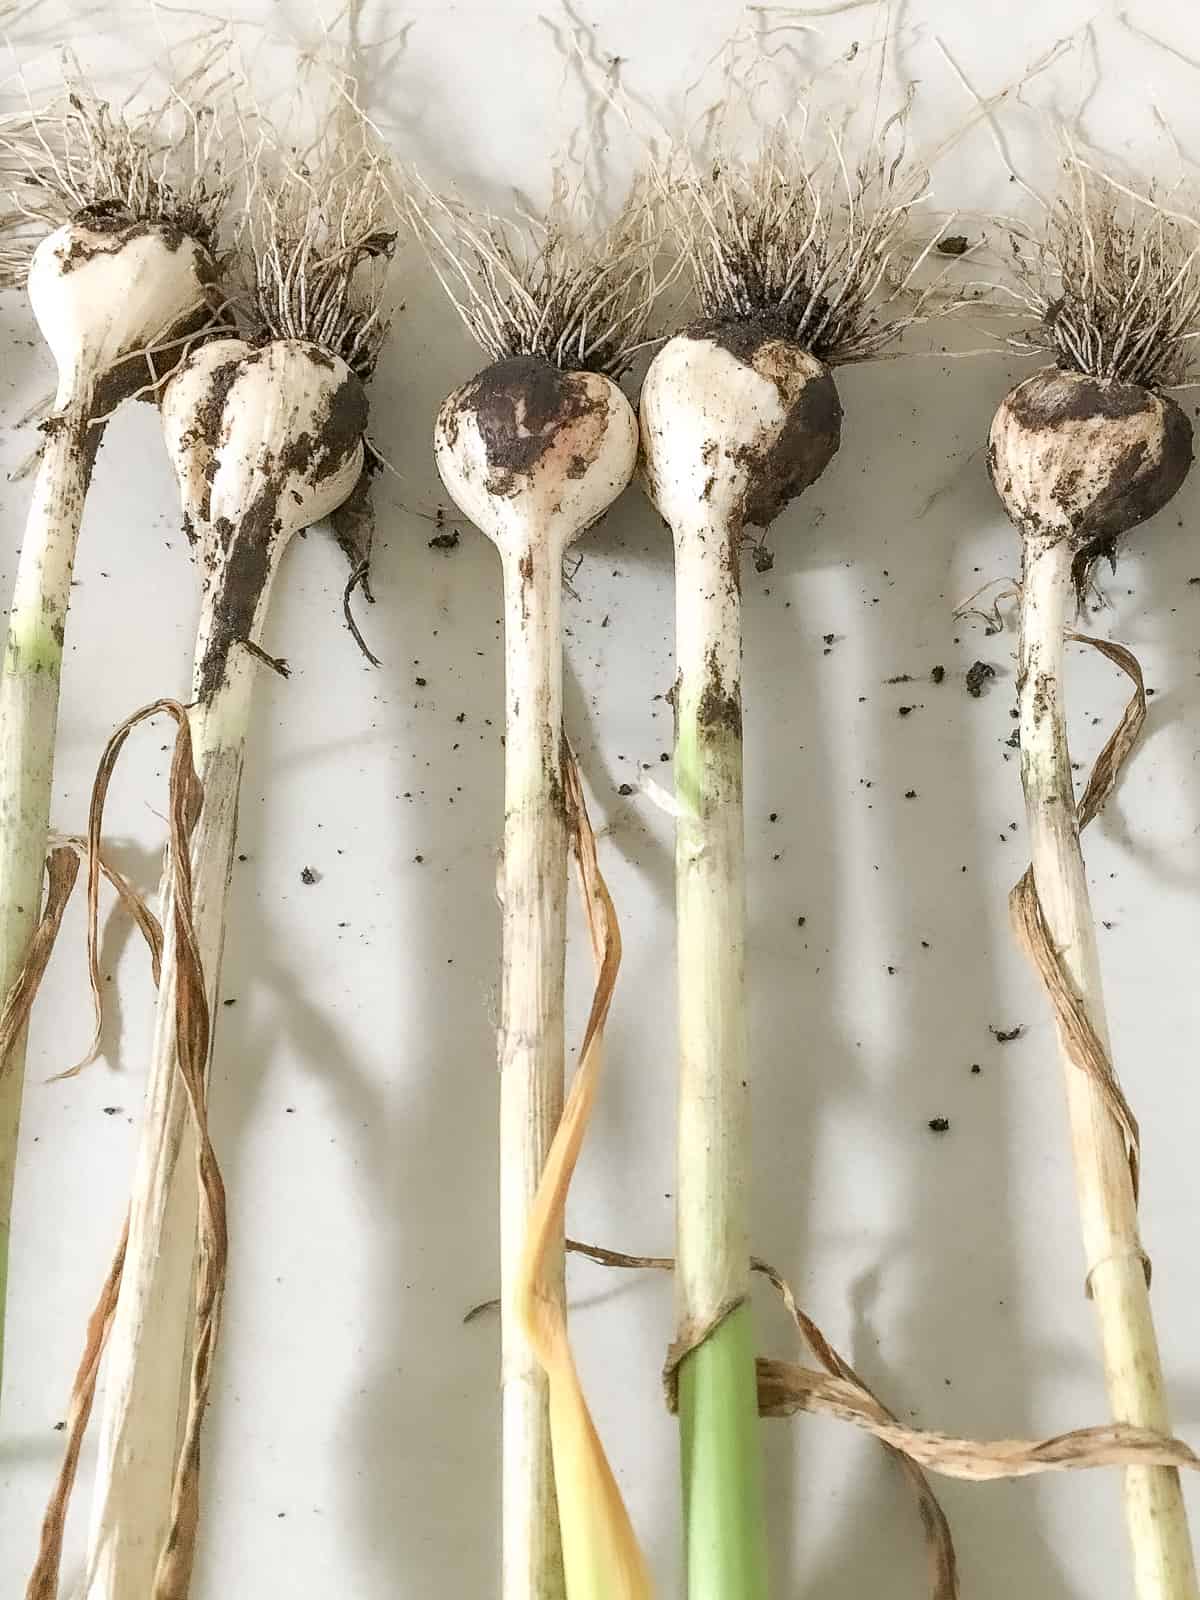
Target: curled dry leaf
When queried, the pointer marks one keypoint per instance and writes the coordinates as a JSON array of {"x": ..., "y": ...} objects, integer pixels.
[
  {"x": 1082, "y": 1042},
  {"x": 785, "y": 1388},
  {"x": 43, "y": 1581},
  {"x": 939, "y": 1543},
  {"x": 601, "y": 1556},
  {"x": 62, "y": 870}
]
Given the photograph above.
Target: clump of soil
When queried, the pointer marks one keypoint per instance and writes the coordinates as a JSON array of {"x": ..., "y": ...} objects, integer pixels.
[{"x": 979, "y": 673}]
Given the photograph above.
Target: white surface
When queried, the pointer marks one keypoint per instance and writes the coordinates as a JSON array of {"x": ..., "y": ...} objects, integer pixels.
[{"x": 352, "y": 1447}]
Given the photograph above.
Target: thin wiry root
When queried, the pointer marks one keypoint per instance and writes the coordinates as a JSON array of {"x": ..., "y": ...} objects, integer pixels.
[
  {"x": 1112, "y": 281},
  {"x": 164, "y": 164},
  {"x": 320, "y": 239},
  {"x": 561, "y": 286},
  {"x": 800, "y": 236}
]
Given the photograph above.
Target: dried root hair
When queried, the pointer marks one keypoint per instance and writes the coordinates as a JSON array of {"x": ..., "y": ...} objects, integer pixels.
[
  {"x": 165, "y": 164},
  {"x": 561, "y": 285},
  {"x": 801, "y": 238},
  {"x": 320, "y": 237},
  {"x": 1112, "y": 280}
]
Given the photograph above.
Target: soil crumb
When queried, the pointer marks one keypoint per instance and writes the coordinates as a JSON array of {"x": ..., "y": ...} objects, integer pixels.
[{"x": 979, "y": 673}]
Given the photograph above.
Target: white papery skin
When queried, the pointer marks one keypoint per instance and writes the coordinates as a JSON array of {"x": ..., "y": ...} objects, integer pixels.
[
  {"x": 274, "y": 395},
  {"x": 532, "y": 517},
  {"x": 99, "y": 297}
]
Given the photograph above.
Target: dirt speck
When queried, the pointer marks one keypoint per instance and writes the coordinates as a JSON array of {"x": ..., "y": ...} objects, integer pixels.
[
  {"x": 979, "y": 673},
  {"x": 1006, "y": 1035}
]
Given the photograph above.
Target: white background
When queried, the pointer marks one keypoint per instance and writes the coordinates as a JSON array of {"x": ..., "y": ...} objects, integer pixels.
[{"x": 352, "y": 1444}]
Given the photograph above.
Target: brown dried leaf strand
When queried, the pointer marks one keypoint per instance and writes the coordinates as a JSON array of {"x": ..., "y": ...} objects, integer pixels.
[{"x": 1082, "y": 1042}]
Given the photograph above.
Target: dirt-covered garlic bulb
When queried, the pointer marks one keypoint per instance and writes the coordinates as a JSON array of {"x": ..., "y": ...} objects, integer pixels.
[
  {"x": 264, "y": 442},
  {"x": 528, "y": 446},
  {"x": 1084, "y": 459},
  {"x": 107, "y": 289},
  {"x": 738, "y": 420}
]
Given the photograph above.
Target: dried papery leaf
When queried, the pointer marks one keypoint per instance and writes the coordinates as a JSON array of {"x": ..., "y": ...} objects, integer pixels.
[
  {"x": 784, "y": 1389},
  {"x": 192, "y": 1039},
  {"x": 939, "y": 1543},
  {"x": 62, "y": 869},
  {"x": 601, "y": 1556},
  {"x": 1079, "y": 1036},
  {"x": 564, "y": 286},
  {"x": 167, "y": 163},
  {"x": 1110, "y": 282},
  {"x": 803, "y": 237},
  {"x": 44, "y": 1579},
  {"x": 135, "y": 904}
]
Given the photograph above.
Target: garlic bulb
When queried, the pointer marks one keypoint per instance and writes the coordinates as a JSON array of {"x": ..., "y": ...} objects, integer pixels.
[
  {"x": 528, "y": 446},
  {"x": 735, "y": 421},
  {"x": 1086, "y": 459},
  {"x": 264, "y": 442},
  {"x": 104, "y": 289}
]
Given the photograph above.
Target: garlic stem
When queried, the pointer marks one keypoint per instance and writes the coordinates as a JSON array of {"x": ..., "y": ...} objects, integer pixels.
[
  {"x": 29, "y": 689},
  {"x": 1154, "y": 1508},
  {"x": 726, "y": 1556},
  {"x": 735, "y": 422},
  {"x": 531, "y": 1043}
]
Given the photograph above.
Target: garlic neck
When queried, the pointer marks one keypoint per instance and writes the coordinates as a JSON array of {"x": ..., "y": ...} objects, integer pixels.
[
  {"x": 708, "y": 636},
  {"x": 532, "y": 577}
]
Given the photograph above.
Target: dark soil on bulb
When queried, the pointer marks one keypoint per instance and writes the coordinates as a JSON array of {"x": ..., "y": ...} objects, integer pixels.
[
  {"x": 1052, "y": 401},
  {"x": 242, "y": 564},
  {"x": 520, "y": 406},
  {"x": 811, "y": 434}
]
